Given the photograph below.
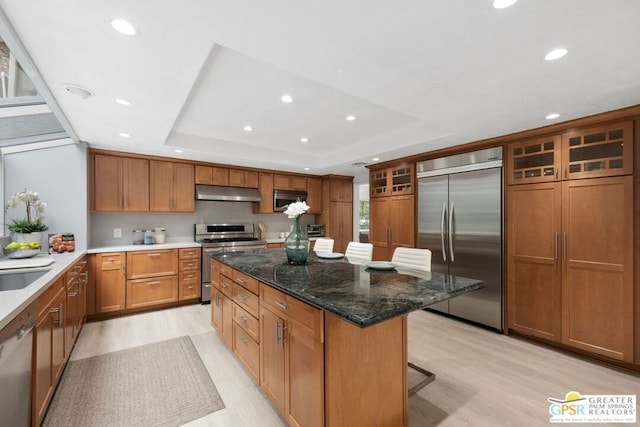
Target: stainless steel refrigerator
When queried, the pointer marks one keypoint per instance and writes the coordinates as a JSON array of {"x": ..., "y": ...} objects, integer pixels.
[{"x": 460, "y": 220}]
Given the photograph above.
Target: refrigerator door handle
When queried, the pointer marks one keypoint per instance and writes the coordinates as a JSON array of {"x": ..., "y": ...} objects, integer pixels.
[
  {"x": 442, "y": 222},
  {"x": 451, "y": 232}
]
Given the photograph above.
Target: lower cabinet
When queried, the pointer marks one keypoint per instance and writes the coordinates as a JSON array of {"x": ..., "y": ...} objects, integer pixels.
[
  {"x": 152, "y": 291},
  {"x": 111, "y": 282},
  {"x": 221, "y": 315}
]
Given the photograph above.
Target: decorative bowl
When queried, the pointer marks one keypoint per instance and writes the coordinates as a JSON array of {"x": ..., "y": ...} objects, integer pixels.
[{"x": 22, "y": 253}]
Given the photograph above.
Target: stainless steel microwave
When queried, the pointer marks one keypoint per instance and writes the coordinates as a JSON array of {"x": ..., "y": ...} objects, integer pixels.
[{"x": 282, "y": 198}]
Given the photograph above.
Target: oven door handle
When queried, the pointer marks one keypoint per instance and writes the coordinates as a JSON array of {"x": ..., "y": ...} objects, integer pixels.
[{"x": 212, "y": 250}]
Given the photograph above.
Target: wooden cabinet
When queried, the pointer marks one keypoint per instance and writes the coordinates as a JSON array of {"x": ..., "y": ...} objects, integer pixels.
[
  {"x": 391, "y": 224},
  {"x": 584, "y": 153},
  {"x": 246, "y": 303},
  {"x": 152, "y": 277},
  {"x": 570, "y": 263},
  {"x": 48, "y": 348},
  {"x": 395, "y": 180},
  {"x": 171, "y": 187},
  {"x": 189, "y": 282},
  {"x": 536, "y": 160},
  {"x": 75, "y": 303},
  {"x": 119, "y": 184},
  {"x": 337, "y": 215},
  {"x": 265, "y": 186},
  {"x": 111, "y": 282},
  {"x": 243, "y": 178},
  {"x": 292, "y": 357},
  {"x": 289, "y": 182},
  {"x": 314, "y": 195},
  {"x": 598, "y": 151},
  {"x": 222, "y": 315},
  {"x": 211, "y": 175}
]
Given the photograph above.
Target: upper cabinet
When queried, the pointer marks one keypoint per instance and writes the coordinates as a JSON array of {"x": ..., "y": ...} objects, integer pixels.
[
  {"x": 119, "y": 184},
  {"x": 340, "y": 190},
  {"x": 289, "y": 182},
  {"x": 171, "y": 187},
  {"x": 392, "y": 181},
  {"x": 265, "y": 186},
  {"x": 243, "y": 178},
  {"x": 600, "y": 151},
  {"x": 314, "y": 195},
  {"x": 537, "y": 160},
  {"x": 212, "y": 175},
  {"x": 586, "y": 153}
]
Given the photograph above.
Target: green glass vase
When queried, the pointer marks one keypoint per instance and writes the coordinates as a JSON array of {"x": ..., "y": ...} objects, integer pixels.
[{"x": 296, "y": 245}]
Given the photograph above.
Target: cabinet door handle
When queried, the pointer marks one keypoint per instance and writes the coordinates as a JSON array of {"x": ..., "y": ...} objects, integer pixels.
[
  {"x": 278, "y": 337},
  {"x": 564, "y": 245},
  {"x": 565, "y": 171},
  {"x": 555, "y": 256},
  {"x": 58, "y": 310},
  {"x": 389, "y": 236},
  {"x": 281, "y": 305},
  {"x": 556, "y": 170},
  {"x": 217, "y": 299}
]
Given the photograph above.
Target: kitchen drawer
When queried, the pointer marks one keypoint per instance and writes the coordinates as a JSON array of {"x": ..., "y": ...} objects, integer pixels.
[
  {"x": 247, "y": 350},
  {"x": 247, "y": 322},
  {"x": 152, "y": 263},
  {"x": 190, "y": 253},
  {"x": 226, "y": 286},
  {"x": 111, "y": 261},
  {"x": 189, "y": 291},
  {"x": 245, "y": 299},
  {"x": 247, "y": 282},
  {"x": 225, "y": 270},
  {"x": 151, "y": 291},
  {"x": 293, "y": 309},
  {"x": 215, "y": 272},
  {"x": 189, "y": 277},
  {"x": 49, "y": 295},
  {"x": 189, "y": 264}
]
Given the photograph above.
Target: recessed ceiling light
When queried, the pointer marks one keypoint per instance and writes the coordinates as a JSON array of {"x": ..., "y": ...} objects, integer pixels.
[
  {"x": 122, "y": 101},
  {"x": 501, "y": 4},
  {"x": 375, "y": 159},
  {"x": 552, "y": 116},
  {"x": 307, "y": 169},
  {"x": 304, "y": 139},
  {"x": 247, "y": 128},
  {"x": 123, "y": 27},
  {"x": 287, "y": 99},
  {"x": 78, "y": 91},
  {"x": 350, "y": 118},
  {"x": 125, "y": 135},
  {"x": 177, "y": 150},
  {"x": 556, "y": 54}
]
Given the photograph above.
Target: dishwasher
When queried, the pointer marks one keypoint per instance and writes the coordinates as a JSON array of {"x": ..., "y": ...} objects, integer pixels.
[{"x": 16, "y": 343}]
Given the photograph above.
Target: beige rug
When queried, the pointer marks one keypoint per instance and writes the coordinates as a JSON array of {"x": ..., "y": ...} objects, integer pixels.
[{"x": 160, "y": 384}]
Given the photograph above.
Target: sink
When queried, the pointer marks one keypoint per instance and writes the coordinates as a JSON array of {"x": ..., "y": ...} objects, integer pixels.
[{"x": 14, "y": 281}]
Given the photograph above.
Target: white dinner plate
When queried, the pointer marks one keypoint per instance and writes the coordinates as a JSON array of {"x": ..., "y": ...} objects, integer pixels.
[
  {"x": 381, "y": 265},
  {"x": 330, "y": 255}
]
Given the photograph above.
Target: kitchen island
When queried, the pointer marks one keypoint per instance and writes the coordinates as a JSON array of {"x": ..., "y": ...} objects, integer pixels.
[{"x": 353, "y": 331}]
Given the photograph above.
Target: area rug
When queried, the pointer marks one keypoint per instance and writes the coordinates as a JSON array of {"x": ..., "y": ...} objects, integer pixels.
[{"x": 159, "y": 384}]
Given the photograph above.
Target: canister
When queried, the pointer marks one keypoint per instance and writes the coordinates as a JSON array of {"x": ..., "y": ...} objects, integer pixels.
[
  {"x": 148, "y": 237},
  {"x": 138, "y": 237},
  {"x": 159, "y": 235}
]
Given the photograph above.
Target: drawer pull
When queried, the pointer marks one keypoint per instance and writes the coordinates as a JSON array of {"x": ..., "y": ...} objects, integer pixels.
[
  {"x": 224, "y": 285},
  {"x": 244, "y": 319},
  {"x": 72, "y": 294},
  {"x": 189, "y": 287},
  {"x": 243, "y": 339},
  {"x": 281, "y": 305},
  {"x": 153, "y": 255},
  {"x": 241, "y": 281},
  {"x": 242, "y": 297},
  {"x": 155, "y": 282}
]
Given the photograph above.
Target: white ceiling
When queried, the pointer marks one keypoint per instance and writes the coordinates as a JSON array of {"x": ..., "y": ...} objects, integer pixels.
[{"x": 418, "y": 75}]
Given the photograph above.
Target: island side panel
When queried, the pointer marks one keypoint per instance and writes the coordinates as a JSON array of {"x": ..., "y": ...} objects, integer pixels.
[{"x": 366, "y": 373}]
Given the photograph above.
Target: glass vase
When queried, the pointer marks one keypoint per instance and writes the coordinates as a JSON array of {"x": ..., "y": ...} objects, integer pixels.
[{"x": 296, "y": 245}]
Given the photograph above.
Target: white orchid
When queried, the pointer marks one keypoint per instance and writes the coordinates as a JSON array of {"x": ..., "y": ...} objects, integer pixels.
[
  {"x": 296, "y": 209},
  {"x": 34, "y": 210}
]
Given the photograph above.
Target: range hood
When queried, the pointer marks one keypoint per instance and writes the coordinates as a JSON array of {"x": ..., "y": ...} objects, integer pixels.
[{"x": 227, "y": 194}]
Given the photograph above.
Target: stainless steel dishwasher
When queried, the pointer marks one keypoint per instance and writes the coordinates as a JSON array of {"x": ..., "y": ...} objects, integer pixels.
[{"x": 16, "y": 342}]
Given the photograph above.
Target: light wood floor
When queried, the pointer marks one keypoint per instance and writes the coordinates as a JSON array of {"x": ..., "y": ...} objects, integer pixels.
[{"x": 482, "y": 378}]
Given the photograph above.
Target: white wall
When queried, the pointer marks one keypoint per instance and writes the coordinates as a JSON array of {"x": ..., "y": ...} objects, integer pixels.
[
  {"x": 179, "y": 226},
  {"x": 59, "y": 174}
]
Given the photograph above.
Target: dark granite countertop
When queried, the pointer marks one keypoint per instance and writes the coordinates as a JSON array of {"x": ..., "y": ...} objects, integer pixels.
[{"x": 352, "y": 292}]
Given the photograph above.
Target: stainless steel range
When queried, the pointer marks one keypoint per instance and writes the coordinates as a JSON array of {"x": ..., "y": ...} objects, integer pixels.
[{"x": 218, "y": 238}]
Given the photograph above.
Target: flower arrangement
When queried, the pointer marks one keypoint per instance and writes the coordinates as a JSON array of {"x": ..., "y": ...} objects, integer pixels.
[
  {"x": 296, "y": 245},
  {"x": 34, "y": 210},
  {"x": 294, "y": 210}
]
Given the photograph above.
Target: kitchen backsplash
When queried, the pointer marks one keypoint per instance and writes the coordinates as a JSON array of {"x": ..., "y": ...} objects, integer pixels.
[{"x": 179, "y": 226}]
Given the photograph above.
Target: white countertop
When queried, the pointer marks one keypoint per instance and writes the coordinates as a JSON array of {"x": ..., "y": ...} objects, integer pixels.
[
  {"x": 131, "y": 248},
  {"x": 13, "y": 302}
]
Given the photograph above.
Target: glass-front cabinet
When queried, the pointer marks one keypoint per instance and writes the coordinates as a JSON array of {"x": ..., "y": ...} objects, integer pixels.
[
  {"x": 601, "y": 151},
  {"x": 586, "y": 153},
  {"x": 536, "y": 160},
  {"x": 392, "y": 181}
]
